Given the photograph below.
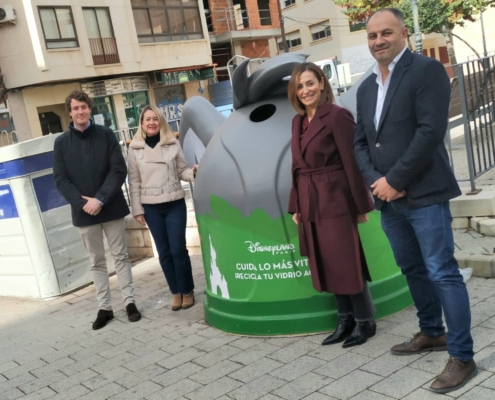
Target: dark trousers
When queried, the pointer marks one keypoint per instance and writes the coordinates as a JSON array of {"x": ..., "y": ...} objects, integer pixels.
[
  {"x": 359, "y": 305},
  {"x": 167, "y": 224},
  {"x": 423, "y": 245}
]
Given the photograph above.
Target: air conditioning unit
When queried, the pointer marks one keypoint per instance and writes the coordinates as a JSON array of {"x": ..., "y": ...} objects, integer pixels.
[{"x": 7, "y": 14}]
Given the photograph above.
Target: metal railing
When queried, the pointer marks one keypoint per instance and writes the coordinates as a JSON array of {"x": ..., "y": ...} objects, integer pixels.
[
  {"x": 7, "y": 138},
  {"x": 104, "y": 51},
  {"x": 477, "y": 56},
  {"x": 253, "y": 65},
  {"x": 476, "y": 90},
  {"x": 124, "y": 136}
]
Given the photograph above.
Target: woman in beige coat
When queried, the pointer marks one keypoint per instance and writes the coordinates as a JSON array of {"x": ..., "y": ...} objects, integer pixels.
[{"x": 156, "y": 165}]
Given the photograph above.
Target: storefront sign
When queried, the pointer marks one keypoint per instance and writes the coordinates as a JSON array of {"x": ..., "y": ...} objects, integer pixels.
[
  {"x": 178, "y": 77},
  {"x": 114, "y": 86}
]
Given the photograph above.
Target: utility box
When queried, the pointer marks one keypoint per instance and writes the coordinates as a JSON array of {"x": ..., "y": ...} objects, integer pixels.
[{"x": 41, "y": 252}]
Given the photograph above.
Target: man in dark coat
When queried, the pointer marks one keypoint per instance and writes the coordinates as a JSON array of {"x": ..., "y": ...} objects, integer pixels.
[
  {"x": 402, "y": 119},
  {"x": 89, "y": 171}
]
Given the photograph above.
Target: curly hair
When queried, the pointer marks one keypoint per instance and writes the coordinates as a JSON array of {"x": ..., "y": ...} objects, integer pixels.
[{"x": 78, "y": 95}]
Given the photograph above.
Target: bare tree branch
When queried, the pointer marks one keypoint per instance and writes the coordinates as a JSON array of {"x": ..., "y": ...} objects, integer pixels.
[{"x": 467, "y": 44}]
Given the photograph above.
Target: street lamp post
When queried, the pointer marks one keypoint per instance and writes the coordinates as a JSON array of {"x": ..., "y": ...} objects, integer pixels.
[
  {"x": 483, "y": 34},
  {"x": 282, "y": 27},
  {"x": 417, "y": 32}
]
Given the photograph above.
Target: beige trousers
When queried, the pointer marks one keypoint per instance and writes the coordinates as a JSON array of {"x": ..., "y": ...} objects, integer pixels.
[{"x": 92, "y": 237}]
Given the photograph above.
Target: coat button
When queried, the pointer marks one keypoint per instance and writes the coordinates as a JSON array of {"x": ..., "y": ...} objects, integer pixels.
[{"x": 377, "y": 145}]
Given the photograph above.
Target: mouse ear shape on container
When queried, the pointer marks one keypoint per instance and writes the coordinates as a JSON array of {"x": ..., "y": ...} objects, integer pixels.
[
  {"x": 200, "y": 116},
  {"x": 267, "y": 81},
  {"x": 240, "y": 87}
]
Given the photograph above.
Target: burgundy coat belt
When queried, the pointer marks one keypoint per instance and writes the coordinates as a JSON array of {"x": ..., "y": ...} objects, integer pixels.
[{"x": 311, "y": 214}]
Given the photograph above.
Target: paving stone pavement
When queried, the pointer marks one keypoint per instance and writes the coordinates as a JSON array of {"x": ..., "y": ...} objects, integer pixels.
[{"x": 49, "y": 351}]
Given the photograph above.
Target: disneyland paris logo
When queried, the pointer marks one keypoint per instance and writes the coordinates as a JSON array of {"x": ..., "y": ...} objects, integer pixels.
[{"x": 278, "y": 249}]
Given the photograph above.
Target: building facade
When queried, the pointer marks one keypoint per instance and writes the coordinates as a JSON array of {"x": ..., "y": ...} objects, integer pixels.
[
  {"x": 320, "y": 29},
  {"x": 472, "y": 33},
  {"x": 124, "y": 53},
  {"x": 240, "y": 28}
]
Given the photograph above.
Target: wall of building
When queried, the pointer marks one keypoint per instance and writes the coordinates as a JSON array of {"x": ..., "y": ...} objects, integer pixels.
[
  {"x": 18, "y": 112},
  {"x": 255, "y": 48},
  {"x": 222, "y": 15},
  {"x": 25, "y": 60},
  {"x": 472, "y": 33},
  {"x": 118, "y": 104},
  {"x": 433, "y": 46},
  {"x": 27, "y": 63},
  {"x": 219, "y": 16},
  {"x": 192, "y": 89},
  {"x": 351, "y": 47},
  {"x": 347, "y": 46},
  {"x": 254, "y": 15},
  {"x": 28, "y": 103},
  {"x": 60, "y": 111},
  {"x": 43, "y": 96}
]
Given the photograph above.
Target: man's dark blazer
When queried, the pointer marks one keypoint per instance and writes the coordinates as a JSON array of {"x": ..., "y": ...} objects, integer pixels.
[
  {"x": 407, "y": 148},
  {"x": 90, "y": 163}
]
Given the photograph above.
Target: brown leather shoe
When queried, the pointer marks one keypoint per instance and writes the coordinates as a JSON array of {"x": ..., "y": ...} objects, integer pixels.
[
  {"x": 177, "y": 302},
  {"x": 187, "y": 300},
  {"x": 420, "y": 343},
  {"x": 455, "y": 375}
]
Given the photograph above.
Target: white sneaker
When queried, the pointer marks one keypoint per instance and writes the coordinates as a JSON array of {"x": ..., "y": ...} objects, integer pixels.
[{"x": 466, "y": 273}]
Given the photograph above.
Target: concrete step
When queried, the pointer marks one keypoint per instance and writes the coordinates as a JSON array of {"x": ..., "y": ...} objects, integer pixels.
[
  {"x": 483, "y": 265},
  {"x": 482, "y": 225},
  {"x": 478, "y": 205},
  {"x": 475, "y": 250},
  {"x": 140, "y": 243}
]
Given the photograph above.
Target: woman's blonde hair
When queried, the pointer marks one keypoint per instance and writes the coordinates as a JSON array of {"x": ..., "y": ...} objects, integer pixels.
[
  {"x": 166, "y": 133},
  {"x": 326, "y": 93}
]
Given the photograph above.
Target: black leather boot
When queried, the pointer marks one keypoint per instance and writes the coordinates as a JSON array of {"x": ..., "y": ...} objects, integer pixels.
[
  {"x": 344, "y": 329},
  {"x": 360, "y": 334}
]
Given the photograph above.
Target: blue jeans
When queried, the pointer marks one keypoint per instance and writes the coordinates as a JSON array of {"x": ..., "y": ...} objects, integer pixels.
[
  {"x": 423, "y": 245},
  {"x": 167, "y": 224}
]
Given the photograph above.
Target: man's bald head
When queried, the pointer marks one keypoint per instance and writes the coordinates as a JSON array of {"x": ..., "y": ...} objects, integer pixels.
[
  {"x": 395, "y": 12},
  {"x": 387, "y": 35}
]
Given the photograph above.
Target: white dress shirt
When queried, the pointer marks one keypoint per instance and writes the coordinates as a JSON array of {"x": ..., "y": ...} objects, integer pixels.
[{"x": 383, "y": 87}]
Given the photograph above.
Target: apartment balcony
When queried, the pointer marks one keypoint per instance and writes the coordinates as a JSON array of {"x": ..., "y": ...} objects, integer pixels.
[
  {"x": 235, "y": 23},
  {"x": 104, "y": 51}
]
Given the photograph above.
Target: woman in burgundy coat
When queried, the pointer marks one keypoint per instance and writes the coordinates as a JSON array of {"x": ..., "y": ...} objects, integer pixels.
[{"x": 328, "y": 199}]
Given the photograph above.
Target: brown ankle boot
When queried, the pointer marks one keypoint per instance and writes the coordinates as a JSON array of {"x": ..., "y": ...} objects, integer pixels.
[
  {"x": 177, "y": 302},
  {"x": 187, "y": 300}
]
